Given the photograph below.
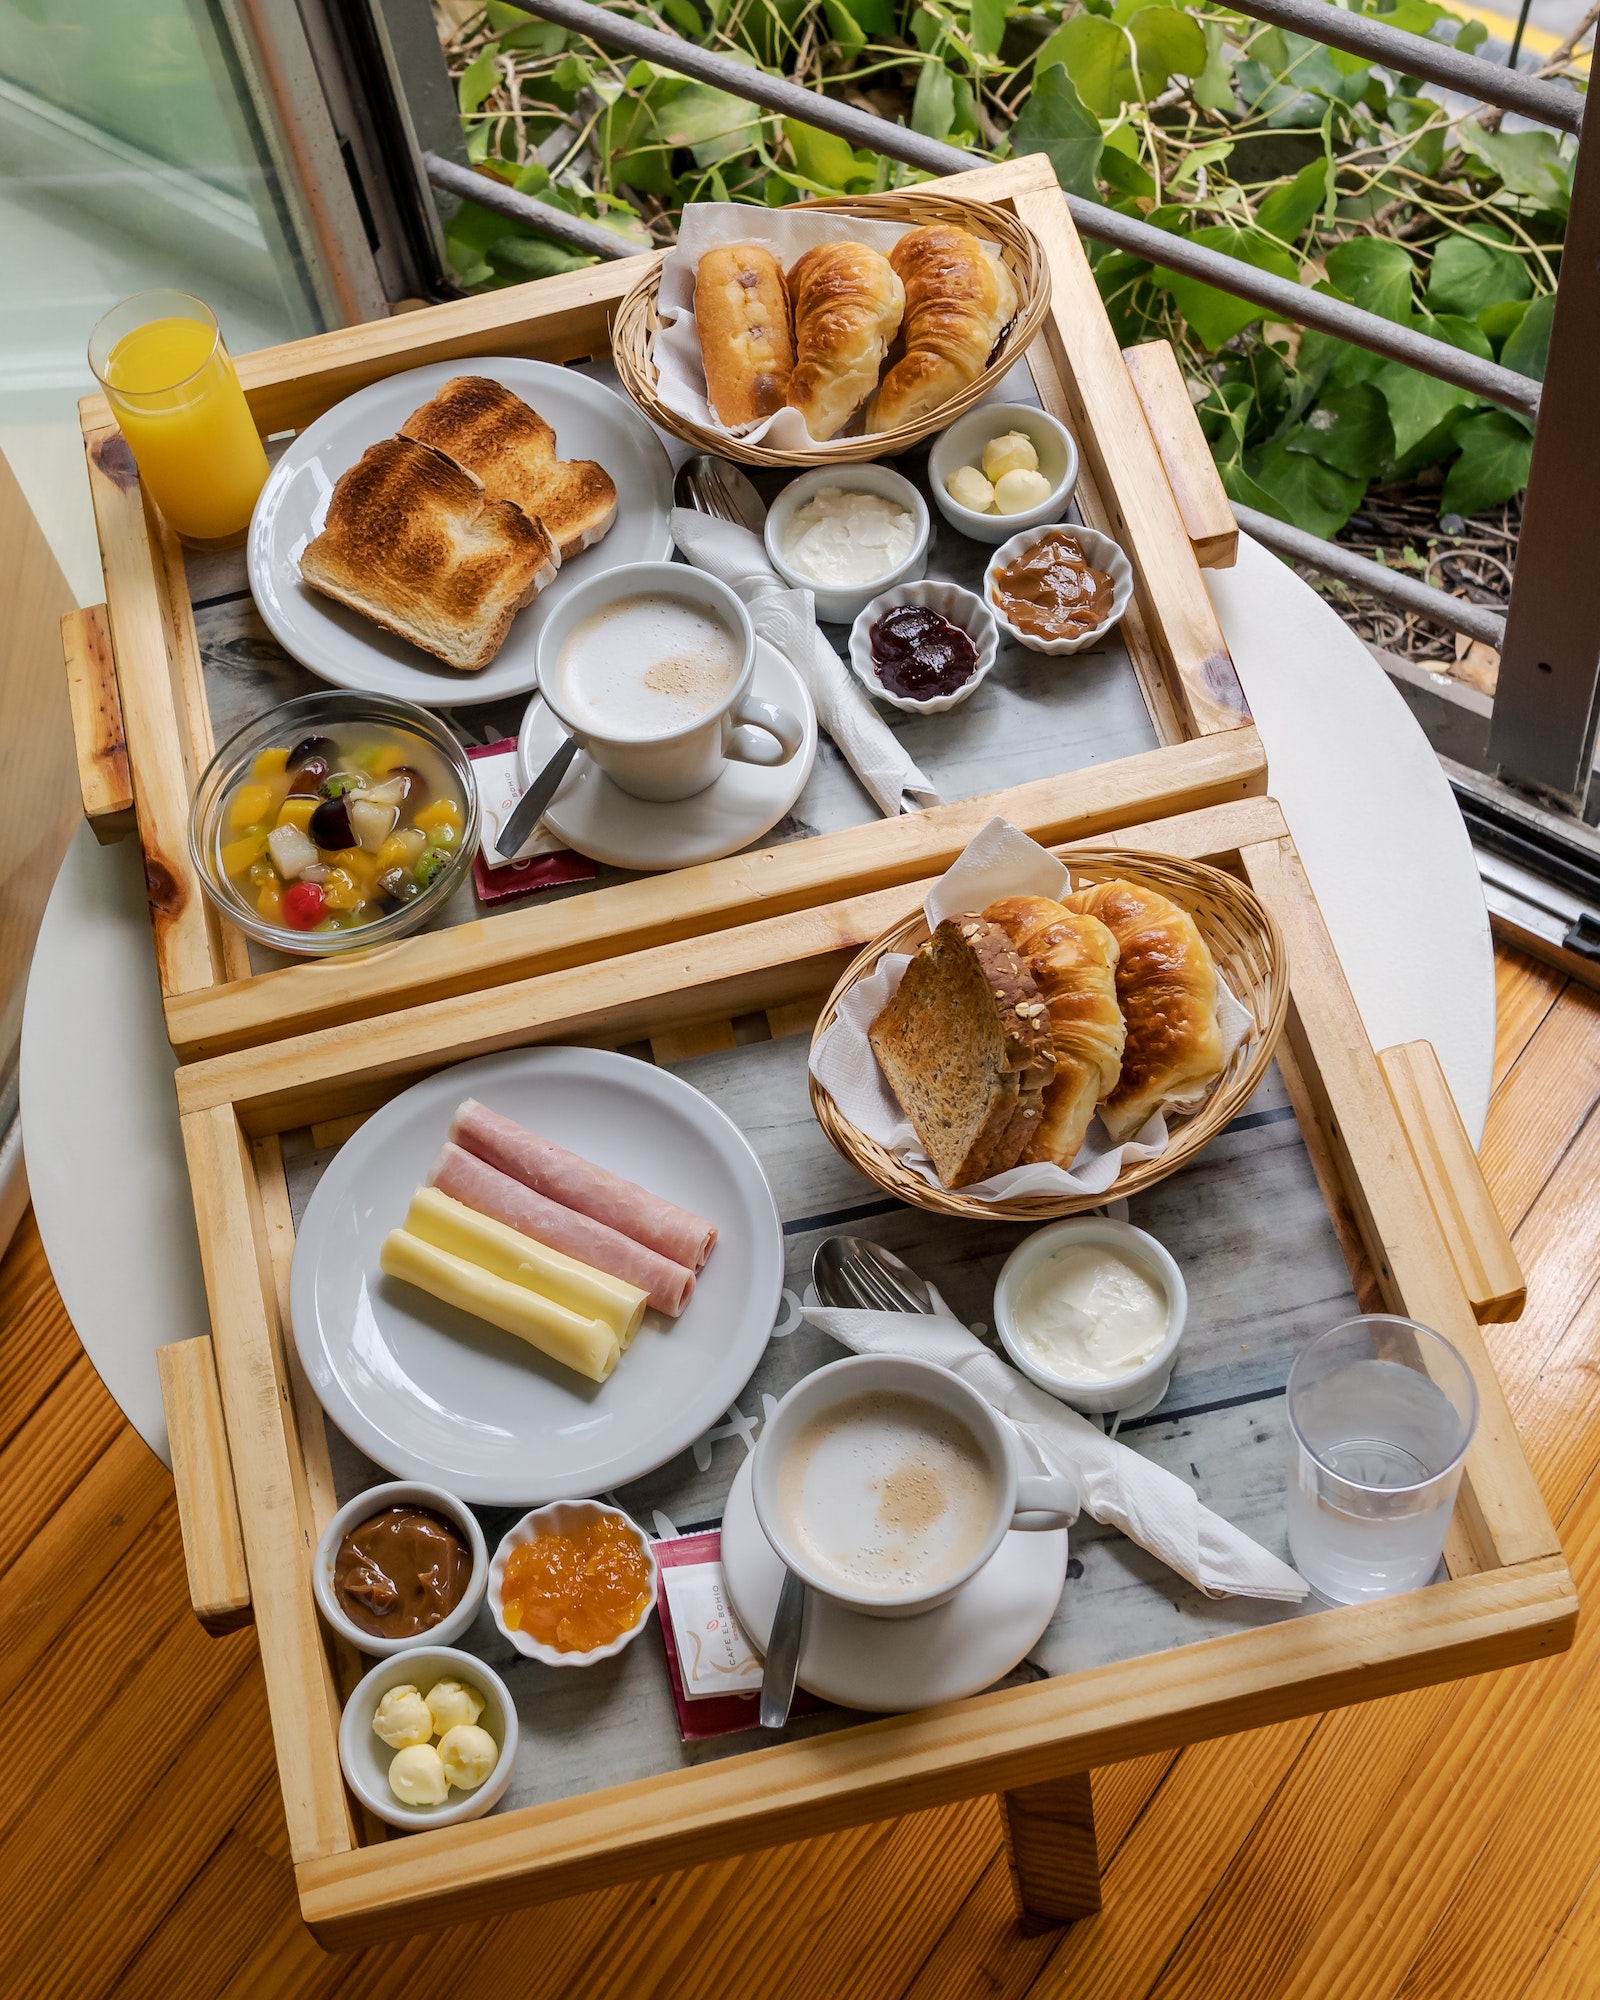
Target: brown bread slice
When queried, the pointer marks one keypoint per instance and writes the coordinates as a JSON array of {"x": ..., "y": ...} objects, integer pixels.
[
  {"x": 413, "y": 543},
  {"x": 965, "y": 1043},
  {"x": 511, "y": 448}
]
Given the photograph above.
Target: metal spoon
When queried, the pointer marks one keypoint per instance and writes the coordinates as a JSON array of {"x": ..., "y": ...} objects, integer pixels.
[
  {"x": 854, "y": 1271},
  {"x": 783, "y": 1653},
  {"x": 529, "y": 809},
  {"x": 717, "y": 487}
]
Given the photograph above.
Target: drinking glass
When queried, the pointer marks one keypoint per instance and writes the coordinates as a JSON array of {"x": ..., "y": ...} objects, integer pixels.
[
  {"x": 1382, "y": 1411},
  {"x": 167, "y": 376}
]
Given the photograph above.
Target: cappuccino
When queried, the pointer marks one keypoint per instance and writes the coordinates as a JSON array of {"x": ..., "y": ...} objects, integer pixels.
[
  {"x": 646, "y": 667},
  {"x": 887, "y": 1494}
]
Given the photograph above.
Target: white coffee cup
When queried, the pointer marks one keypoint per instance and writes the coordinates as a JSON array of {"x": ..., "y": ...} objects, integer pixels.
[
  {"x": 981, "y": 1509},
  {"x": 677, "y": 761}
]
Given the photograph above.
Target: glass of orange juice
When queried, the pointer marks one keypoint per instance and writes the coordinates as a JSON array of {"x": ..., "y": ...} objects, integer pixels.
[{"x": 171, "y": 386}]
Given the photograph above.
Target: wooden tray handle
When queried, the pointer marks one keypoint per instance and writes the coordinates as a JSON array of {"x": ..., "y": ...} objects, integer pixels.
[
  {"x": 1185, "y": 456},
  {"x": 208, "y": 1512},
  {"x": 103, "y": 776},
  {"x": 1477, "y": 1240}
]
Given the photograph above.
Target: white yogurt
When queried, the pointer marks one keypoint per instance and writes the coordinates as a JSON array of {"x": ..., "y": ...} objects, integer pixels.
[
  {"x": 1087, "y": 1315},
  {"x": 840, "y": 538}
]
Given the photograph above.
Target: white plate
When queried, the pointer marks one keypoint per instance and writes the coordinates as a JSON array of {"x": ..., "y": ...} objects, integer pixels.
[
  {"x": 590, "y": 421},
  {"x": 432, "y": 1393},
  {"x": 890, "y": 1664},
  {"x": 608, "y": 824}
]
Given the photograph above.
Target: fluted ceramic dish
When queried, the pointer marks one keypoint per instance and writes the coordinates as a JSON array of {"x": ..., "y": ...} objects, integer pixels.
[
  {"x": 950, "y": 601},
  {"x": 1100, "y": 552},
  {"x": 564, "y": 1517}
]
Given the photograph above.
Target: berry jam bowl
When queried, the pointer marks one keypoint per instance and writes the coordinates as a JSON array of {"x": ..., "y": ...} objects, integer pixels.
[
  {"x": 957, "y": 607},
  {"x": 335, "y": 823}
]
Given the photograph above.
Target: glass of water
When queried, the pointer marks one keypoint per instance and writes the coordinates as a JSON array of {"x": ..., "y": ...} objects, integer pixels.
[{"x": 1382, "y": 1411}]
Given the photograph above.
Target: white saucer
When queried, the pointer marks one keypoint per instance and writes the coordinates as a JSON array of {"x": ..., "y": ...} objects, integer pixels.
[
  {"x": 890, "y": 1664},
  {"x": 608, "y": 824}
]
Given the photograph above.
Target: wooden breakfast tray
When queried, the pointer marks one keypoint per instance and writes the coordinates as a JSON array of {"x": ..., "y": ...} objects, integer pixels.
[
  {"x": 176, "y": 658},
  {"x": 1341, "y": 1151}
]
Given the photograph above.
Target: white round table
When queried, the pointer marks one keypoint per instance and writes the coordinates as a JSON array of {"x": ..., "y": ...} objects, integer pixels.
[{"x": 1372, "y": 816}]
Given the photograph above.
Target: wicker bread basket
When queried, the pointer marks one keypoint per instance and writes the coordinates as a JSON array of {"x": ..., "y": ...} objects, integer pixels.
[
  {"x": 634, "y": 330},
  {"x": 1248, "y": 947}
]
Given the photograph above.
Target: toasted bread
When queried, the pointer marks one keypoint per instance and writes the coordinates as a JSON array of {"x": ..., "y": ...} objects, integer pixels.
[
  {"x": 965, "y": 1043},
  {"x": 414, "y": 543},
  {"x": 511, "y": 448}
]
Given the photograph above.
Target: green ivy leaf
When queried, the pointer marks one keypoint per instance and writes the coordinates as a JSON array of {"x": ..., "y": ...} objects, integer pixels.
[
  {"x": 1169, "y": 43},
  {"x": 1097, "y": 57},
  {"x": 823, "y": 158},
  {"x": 1055, "y": 120},
  {"x": 1463, "y": 333},
  {"x": 933, "y": 109},
  {"x": 845, "y": 29},
  {"x": 1469, "y": 274},
  {"x": 1312, "y": 495},
  {"x": 1287, "y": 210},
  {"x": 714, "y": 124},
  {"x": 876, "y": 16},
  {"x": 1213, "y": 87},
  {"x": 1496, "y": 452},
  {"x": 1374, "y": 273},
  {"x": 1499, "y": 322},
  {"x": 1215, "y": 317},
  {"x": 1348, "y": 429},
  {"x": 478, "y": 79},
  {"x": 1239, "y": 486},
  {"x": 1127, "y": 177},
  {"x": 537, "y": 257},
  {"x": 1528, "y": 347},
  {"x": 1202, "y": 156},
  {"x": 517, "y": 29},
  {"x": 1418, "y": 403},
  {"x": 988, "y": 26},
  {"x": 1530, "y": 164}
]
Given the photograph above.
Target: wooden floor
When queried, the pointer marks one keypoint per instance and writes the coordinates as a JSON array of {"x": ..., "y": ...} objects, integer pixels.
[{"x": 1445, "y": 1843}]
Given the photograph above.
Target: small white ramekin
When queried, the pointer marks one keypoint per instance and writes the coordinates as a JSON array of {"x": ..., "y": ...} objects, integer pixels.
[
  {"x": 365, "y": 1757},
  {"x": 1142, "y": 1387},
  {"x": 838, "y": 605},
  {"x": 1100, "y": 552},
  {"x": 950, "y": 601},
  {"x": 564, "y": 1517},
  {"x": 963, "y": 443},
  {"x": 399, "y": 1493}
]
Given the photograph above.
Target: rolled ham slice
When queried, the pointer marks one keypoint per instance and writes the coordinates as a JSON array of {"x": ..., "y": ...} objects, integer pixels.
[
  {"x": 466, "y": 1178},
  {"x": 577, "y": 1183}
]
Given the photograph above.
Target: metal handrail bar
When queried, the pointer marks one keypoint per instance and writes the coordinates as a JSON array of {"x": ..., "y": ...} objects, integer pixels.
[
  {"x": 1416, "y": 55},
  {"x": 575, "y": 230},
  {"x": 1456, "y": 614},
  {"x": 1280, "y": 296}
]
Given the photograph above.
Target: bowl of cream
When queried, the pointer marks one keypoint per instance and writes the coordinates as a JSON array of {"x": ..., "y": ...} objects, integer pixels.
[
  {"x": 1093, "y": 1311},
  {"x": 845, "y": 533}
]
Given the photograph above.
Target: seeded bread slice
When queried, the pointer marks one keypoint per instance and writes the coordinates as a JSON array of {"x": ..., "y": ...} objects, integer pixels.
[{"x": 965, "y": 1043}]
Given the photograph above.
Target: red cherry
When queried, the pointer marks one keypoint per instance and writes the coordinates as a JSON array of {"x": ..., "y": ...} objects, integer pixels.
[{"x": 302, "y": 905}]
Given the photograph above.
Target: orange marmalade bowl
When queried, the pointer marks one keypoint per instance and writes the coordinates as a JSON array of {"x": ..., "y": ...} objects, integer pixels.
[{"x": 579, "y": 1567}]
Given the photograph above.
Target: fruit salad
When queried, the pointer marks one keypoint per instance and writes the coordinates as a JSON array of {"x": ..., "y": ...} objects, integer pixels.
[{"x": 331, "y": 833}]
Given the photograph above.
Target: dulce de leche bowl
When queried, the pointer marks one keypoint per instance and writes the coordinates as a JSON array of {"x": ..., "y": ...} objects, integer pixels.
[
  {"x": 372, "y": 884},
  {"x": 1099, "y": 552},
  {"x": 400, "y": 1493}
]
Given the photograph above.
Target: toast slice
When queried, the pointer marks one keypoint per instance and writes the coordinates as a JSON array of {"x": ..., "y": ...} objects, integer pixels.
[
  {"x": 965, "y": 1043},
  {"x": 414, "y": 543},
  {"x": 511, "y": 448}
]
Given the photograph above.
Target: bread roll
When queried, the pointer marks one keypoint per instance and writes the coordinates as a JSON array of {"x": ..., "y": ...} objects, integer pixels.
[
  {"x": 847, "y": 308},
  {"x": 741, "y": 311},
  {"x": 959, "y": 300}
]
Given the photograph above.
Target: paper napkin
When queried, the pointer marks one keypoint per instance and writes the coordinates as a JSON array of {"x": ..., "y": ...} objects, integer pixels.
[
  {"x": 786, "y": 619},
  {"x": 1150, "y": 1505}
]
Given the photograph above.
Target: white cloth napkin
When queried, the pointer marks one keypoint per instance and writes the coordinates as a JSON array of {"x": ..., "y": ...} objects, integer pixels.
[
  {"x": 787, "y": 620},
  {"x": 1152, "y": 1506},
  {"x": 999, "y": 860}
]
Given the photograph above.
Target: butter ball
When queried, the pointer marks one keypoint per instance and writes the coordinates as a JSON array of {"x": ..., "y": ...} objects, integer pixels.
[
  {"x": 1015, "y": 492},
  {"x": 402, "y": 1718},
  {"x": 967, "y": 487},
  {"x": 452, "y": 1702},
  {"x": 468, "y": 1754},
  {"x": 416, "y": 1776},
  {"x": 1013, "y": 452}
]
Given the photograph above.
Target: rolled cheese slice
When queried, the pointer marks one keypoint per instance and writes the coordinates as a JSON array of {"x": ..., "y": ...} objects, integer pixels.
[
  {"x": 578, "y": 1183},
  {"x": 506, "y": 1253},
  {"x": 585, "y": 1345},
  {"x": 466, "y": 1178}
]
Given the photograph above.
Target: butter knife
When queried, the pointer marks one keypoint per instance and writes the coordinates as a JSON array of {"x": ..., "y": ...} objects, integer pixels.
[{"x": 529, "y": 809}]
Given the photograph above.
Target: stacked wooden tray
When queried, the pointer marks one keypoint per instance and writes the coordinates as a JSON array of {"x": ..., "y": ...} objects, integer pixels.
[{"x": 721, "y": 970}]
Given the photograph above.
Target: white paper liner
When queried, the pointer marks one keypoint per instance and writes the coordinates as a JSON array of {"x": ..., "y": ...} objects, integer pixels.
[
  {"x": 787, "y": 233},
  {"x": 998, "y": 861}
]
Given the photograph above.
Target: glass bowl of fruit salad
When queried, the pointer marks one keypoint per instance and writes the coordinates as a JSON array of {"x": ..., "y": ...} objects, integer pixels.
[{"x": 335, "y": 822}]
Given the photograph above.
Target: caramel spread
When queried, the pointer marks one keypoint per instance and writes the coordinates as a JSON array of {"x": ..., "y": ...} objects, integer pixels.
[
  {"x": 401, "y": 1571},
  {"x": 576, "y": 1592},
  {"x": 1050, "y": 592}
]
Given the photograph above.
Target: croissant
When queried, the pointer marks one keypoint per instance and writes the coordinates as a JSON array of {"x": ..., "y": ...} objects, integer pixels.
[
  {"x": 1073, "y": 960},
  {"x": 958, "y": 302},
  {"x": 847, "y": 306},
  {"x": 741, "y": 310},
  {"x": 1167, "y": 988}
]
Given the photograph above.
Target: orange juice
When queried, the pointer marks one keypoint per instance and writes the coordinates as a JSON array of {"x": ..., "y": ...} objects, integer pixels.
[{"x": 173, "y": 390}]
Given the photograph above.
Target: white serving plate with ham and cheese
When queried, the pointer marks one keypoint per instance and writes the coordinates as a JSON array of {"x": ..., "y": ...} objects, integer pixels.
[{"x": 433, "y": 1393}]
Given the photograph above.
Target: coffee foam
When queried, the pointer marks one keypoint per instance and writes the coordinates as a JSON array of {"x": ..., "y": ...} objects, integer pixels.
[
  {"x": 887, "y": 1493},
  {"x": 645, "y": 666}
]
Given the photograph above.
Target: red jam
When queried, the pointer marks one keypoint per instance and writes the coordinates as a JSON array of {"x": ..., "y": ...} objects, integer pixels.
[{"x": 918, "y": 654}]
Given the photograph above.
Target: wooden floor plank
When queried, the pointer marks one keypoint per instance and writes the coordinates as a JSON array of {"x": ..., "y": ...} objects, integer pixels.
[
  {"x": 1525, "y": 991},
  {"x": 1570, "y": 1968},
  {"x": 51, "y": 1453},
  {"x": 224, "y": 1912},
  {"x": 1550, "y": 1091},
  {"x": 37, "y": 1344}
]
